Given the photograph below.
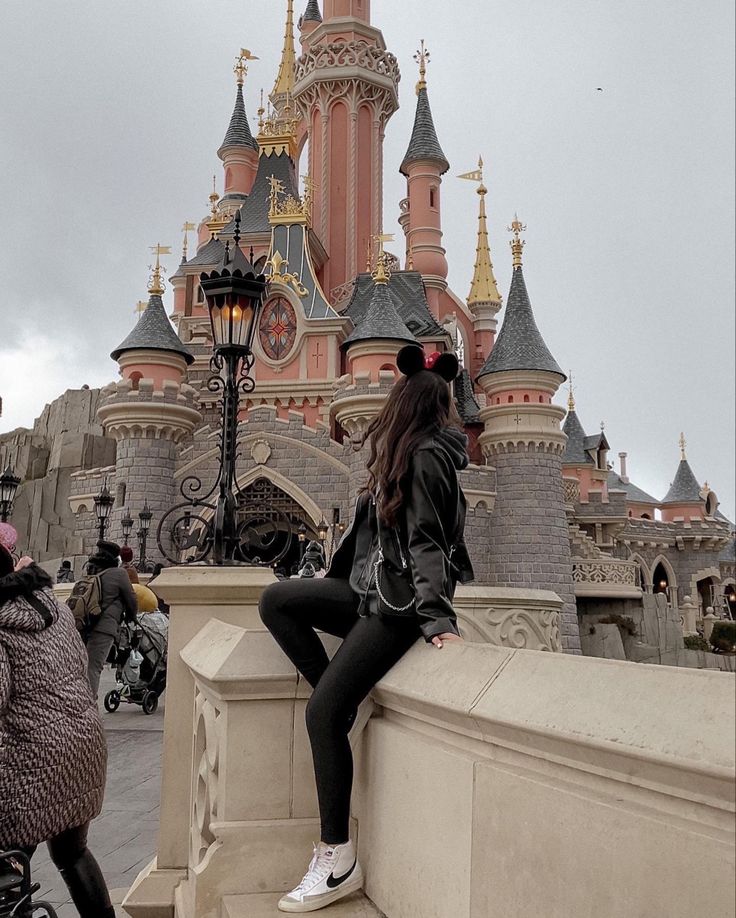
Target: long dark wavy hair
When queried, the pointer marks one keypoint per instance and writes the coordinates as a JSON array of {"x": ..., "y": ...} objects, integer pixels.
[{"x": 417, "y": 407}]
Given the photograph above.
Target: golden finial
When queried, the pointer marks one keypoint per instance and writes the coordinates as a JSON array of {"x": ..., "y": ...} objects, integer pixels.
[
  {"x": 214, "y": 197},
  {"x": 261, "y": 113},
  {"x": 241, "y": 65},
  {"x": 187, "y": 229},
  {"x": 484, "y": 288},
  {"x": 683, "y": 444},
  {"x": 217, "y": 220},
  {"x": 422, "y": 57},
  {"x": 382, "y": 275},
  {"x": 284, "y": 85},
  {"x": 517, "y": 244},
  {"x": 571, "y": 399},
  {"x": 156, "y": 283},
  {"x": 410, "y": 260}
]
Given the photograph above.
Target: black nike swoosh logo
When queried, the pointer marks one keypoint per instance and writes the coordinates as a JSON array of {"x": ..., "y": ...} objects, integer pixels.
[{"x": 333, "y": 882}]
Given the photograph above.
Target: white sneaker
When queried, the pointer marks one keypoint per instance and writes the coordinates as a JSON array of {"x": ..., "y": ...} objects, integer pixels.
[{"x": 333, "y": 874}]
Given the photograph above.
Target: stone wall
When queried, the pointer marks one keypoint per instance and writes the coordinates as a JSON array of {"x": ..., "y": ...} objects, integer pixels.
[{"x": 528, "y": 540}]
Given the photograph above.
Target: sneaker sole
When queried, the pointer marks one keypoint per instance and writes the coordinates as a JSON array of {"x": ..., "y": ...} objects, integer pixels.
[{"x": 315, "y": 903}]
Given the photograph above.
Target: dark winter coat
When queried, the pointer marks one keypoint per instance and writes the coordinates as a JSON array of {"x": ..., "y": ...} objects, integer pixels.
[
  {"x": 53, "y": 755},
  {"x": 424, "y": 556},
  {"x": 118, "y": 601}
]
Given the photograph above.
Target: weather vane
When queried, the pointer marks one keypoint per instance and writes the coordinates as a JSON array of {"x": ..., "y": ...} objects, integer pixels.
[
  {"x": 422, "y": 57},
  {"x": 187, "y": 229},
  {"x": 156, "y": 283},
  {"x": 241, "y": 65},
  {"x": 517, "y": 243}
]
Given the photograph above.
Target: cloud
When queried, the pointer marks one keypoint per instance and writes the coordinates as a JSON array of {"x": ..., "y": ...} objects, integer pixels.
[{"x": 40, "y": 368}]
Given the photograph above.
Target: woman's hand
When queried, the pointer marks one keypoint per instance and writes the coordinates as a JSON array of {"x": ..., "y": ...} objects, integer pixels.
[
  {"x": 25, "y": 561},
  {"x": 440, "y": 639}
]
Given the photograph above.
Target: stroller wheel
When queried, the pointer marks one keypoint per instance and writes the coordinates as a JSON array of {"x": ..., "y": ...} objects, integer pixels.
[
  {"x": 150, "y": 703},
  {"x": 112, "y": 701}
]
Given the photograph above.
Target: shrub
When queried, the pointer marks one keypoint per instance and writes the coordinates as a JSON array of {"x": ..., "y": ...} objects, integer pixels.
[
  {"x": 723, "y": 637},
  {"x": 696, "y": 642},
  {"x": 623, "y": 621}
]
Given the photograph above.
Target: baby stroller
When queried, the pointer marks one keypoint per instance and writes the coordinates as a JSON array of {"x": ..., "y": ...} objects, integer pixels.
[
  {"x": 16, "y": 889},
  {"x": 140, "y": 663}
]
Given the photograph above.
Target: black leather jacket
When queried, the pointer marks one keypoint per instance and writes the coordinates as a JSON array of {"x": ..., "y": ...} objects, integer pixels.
[{"x": 419, "y": 562}]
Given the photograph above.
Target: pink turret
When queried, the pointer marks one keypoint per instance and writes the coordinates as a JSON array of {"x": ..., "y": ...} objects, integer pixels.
[
  {"x": 347, "y": 90},
  {"x": 424, "y": 165},
  {"x": 239, "y": 150}
]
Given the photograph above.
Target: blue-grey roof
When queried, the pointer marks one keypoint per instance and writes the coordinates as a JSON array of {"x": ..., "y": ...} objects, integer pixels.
[
  {"x": 312, "y": 13},
  {"x": 633, "y": 494},
  {"x": 424, "y": 144},
  {"x": 254, "y": 212},
  {"x": 465, "y": 399},
  {"x": 238, "y": 132},
  {"x": 381, "y": 321},
  {"x": 685, "y": 488},
  {"x": 210, "y": 254},
  {"x": 520, "y": 345},
  {"x": 729, "y": 552},
  {"x": 575, "y": 450},
  {"x": 410, "y": 300},
  {"x": 154, "y": 332}
]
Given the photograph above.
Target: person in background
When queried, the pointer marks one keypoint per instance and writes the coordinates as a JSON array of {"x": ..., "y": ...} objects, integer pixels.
[
  {"x": 126, "y": 556},
  {"x": 65, "y": 574},
  {"x": 162, "y": 606},
  {"x": 117, "y": 601},
  {"x": 53, "y": 756}
]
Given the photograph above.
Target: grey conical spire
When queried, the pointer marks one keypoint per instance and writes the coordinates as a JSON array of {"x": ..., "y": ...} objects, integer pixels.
[
  {"x": 312, "y": 13},
  {"x": 238, "y": 133},
  {"x": 381, "y": 321},
  {"x": 685, "y": 488},
  {"x": 424, "y": 144},
  {"x": 520, "y": 345},
  {"x": 154, "y": 332}
]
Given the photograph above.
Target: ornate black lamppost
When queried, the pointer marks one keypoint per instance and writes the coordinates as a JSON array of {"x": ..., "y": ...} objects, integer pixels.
[
  {"x": 144, "y": 523},
  {"x": 127, "y": 524},
  {"x": 323, "y": 530},
  {"x": 206, "y": 525},
  {"x": 9, "y": 484},
  {"x": 103, "y": 506}
]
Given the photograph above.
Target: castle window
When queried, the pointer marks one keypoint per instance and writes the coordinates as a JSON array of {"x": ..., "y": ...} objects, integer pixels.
[
  {"x": 135, "y": 379},
  {"x": 511, "y": 399},
  {"x": 433, "y": 197},
  {"x": 526, "y": 399},
  {"x": 541, "y": 399}
]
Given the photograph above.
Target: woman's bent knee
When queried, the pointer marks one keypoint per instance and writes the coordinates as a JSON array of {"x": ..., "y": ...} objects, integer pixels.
[{"x": 269, "y": 604}]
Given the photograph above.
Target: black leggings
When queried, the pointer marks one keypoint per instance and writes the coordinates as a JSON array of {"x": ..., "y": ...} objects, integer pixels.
[
  {"x": 292, "y": 610},
  {"x": 81, "y": 872}
]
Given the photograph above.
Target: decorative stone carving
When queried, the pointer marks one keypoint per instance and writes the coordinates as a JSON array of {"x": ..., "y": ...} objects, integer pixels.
[
  {"x": 521, "y": 629},
  {"x": 206, "y": 778},
  {"x": 604, "y": 571},
  {"x": 261, "y": 452},
  {"x": 356, "y": 53},
  {"x": 572, "y": 490}
]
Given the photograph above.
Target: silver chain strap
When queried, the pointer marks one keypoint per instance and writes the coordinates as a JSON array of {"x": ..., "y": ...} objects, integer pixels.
[{"x": 377, "y": 578}]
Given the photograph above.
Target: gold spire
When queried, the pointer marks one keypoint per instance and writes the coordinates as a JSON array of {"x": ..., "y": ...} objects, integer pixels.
[
  {"x": 683, "y": 444},
  {"x": 484, "y": 288},
  {"x": 217, "y": 220},
  {"x": 517, "y": 243},
  {"x": 284, "y": 86},
  {"x": 241, "y": 65},
  {"x": 187, "y": 229},
  {"x": 422, "y": 57},
  {"x": 156, "y": 283},
  {"x": 382, "y": 275},
  {"x": 571, "y": 399}
]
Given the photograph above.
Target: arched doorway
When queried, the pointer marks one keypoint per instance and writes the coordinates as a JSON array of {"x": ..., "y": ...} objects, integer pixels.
[
  {"x": 663, "y": 580},
  {"x": 707, "y": 593},
  {"x": 729, "y": 593},
  {"x": 275, "y": 522}
]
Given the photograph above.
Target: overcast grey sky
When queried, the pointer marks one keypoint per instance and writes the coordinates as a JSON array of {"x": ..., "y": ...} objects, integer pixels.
[{"x": 111, "y": 113}]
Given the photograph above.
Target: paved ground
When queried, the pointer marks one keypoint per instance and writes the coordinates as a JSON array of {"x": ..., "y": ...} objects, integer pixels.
[{"x": 123, "y": 838}]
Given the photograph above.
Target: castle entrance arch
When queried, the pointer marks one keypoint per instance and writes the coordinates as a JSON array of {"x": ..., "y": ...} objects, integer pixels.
[{"x": 275, "y": 524}]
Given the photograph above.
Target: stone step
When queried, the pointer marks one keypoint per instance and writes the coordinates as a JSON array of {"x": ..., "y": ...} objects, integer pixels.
[{"x": 263, "y": 905}]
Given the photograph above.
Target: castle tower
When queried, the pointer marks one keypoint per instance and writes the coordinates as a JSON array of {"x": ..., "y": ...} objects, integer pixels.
[
  {"x": 522, "y": 438},
  {"x": 424, "y": 165},
  {"x": 283, "y": 90},
  {"x": 686, "y": 499},
  {"x": 149, "y": 412},
  {"x": 484, "y": 300},
  {"x": 239, "y": 150},
  {"x": 347, "y": 90},
  {"x": 309, "y": 21},
  {"x": 585, "y": 458}
]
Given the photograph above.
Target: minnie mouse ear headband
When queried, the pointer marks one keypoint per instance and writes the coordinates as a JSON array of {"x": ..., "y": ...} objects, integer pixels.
[{"x": 411, "y": 359}]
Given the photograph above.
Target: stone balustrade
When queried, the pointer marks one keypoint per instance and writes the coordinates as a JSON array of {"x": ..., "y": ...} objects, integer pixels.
[{"x": 605, "y": 577}]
